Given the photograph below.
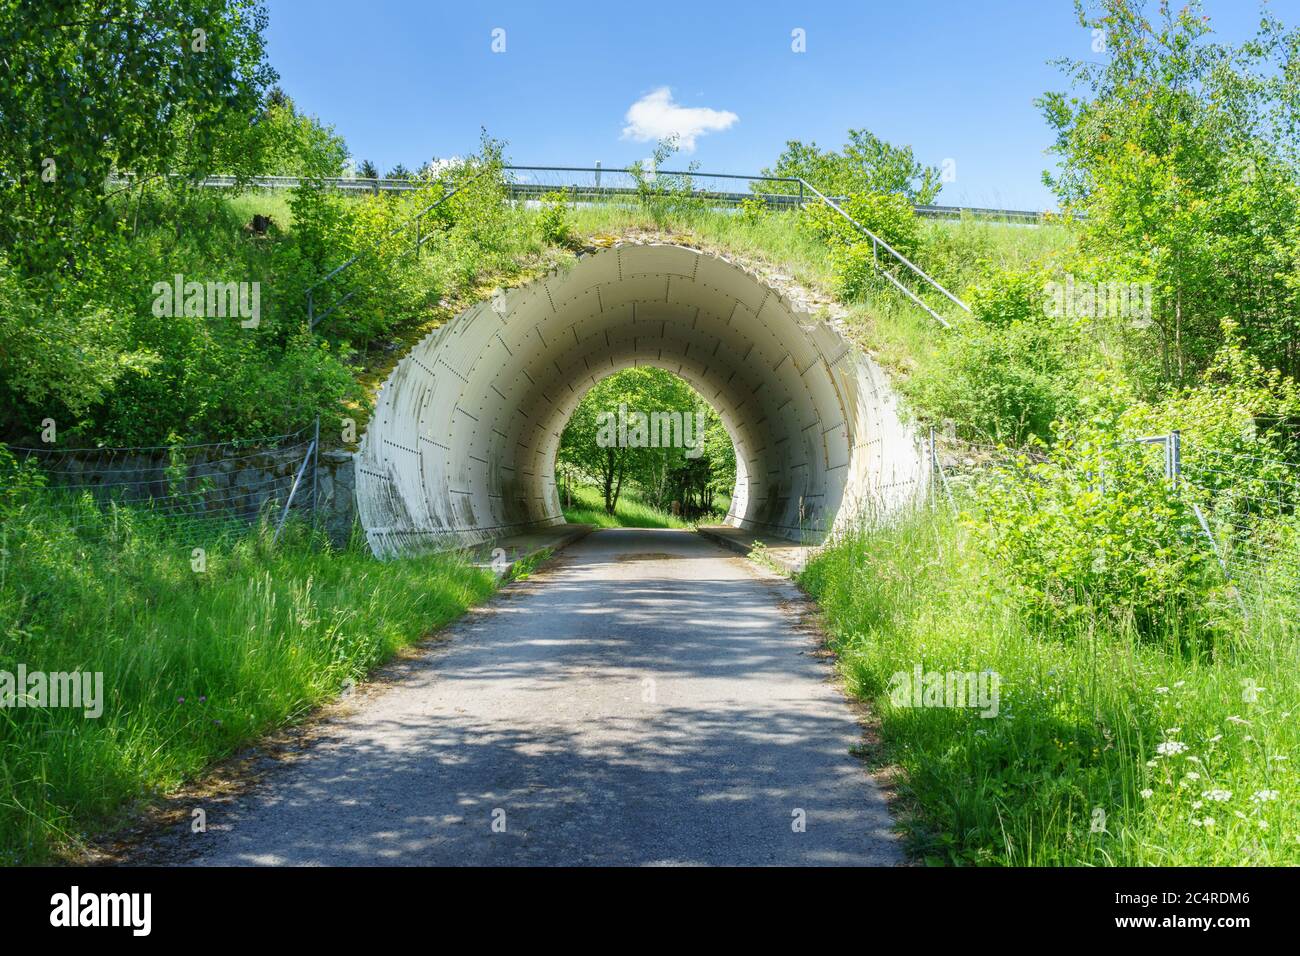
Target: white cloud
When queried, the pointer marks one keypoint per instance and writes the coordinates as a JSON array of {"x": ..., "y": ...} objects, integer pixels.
[{"x": 655, "y": 116}]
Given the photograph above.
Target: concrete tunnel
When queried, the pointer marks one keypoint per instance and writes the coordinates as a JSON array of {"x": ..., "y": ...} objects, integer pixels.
[{"x": 461, "y": 447}]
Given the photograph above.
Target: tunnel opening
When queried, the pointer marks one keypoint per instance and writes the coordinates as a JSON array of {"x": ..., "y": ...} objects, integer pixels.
[
  {"x": 462, "y": 446},
  {"x": 643, "y": 437}
]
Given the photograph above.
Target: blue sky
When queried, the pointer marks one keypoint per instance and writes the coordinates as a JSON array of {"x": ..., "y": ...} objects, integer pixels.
[{"x": 405, "y": 81}]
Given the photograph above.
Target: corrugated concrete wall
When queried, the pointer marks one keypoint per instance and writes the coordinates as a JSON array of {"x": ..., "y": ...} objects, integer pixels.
[{"x": 462, "y": 444}]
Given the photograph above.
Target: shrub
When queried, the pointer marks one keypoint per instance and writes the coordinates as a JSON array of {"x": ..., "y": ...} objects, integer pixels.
[
  {"x": 554, "y": 224},
  {"x": 1011, "y": 371},
  {"x": 1097, "y": 526}
]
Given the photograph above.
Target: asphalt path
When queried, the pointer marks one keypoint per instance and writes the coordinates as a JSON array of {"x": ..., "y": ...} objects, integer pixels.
[{"x": 646, "y": 699}]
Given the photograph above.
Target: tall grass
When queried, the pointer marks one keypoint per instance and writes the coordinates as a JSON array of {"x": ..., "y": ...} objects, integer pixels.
[
  {"x": 1106, "y": 749},
  {"x": 195, "y": 664}
]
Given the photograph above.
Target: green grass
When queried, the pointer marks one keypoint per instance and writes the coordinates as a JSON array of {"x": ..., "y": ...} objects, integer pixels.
[
  {"x": 195, "y": 664},
  {"x": 630, "y": 512},
  {"x": 1081, "y": 717}
]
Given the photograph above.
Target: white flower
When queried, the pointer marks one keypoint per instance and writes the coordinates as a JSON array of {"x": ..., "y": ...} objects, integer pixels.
[
  {"x": 1208, "y": 821},
  {"x": 1262, "y": 796},
  {"x": 1172, "y": 731},
  {"x": 1193, "y": 775},
  {"x": 1162, "y": 690},
  {"x": 1146, "y": 794},
  {"x": 1215, "y": 739},
  {"x": 1197, "y": 805},
  {"x": 1263, "y": 824},
  {"x": 1171, "y": 747},
  {"x": 1221, "y": 796},
  {"x": 1234, "y": 719}
]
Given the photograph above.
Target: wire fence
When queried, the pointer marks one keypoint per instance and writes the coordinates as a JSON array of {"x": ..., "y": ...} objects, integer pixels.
[{"x": 201, "y": 490}]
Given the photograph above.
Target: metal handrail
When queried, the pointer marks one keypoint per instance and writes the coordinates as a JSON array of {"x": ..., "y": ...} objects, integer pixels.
[
  {"x": 876, "y": 241},
  {"x": 312, "y": 318}
]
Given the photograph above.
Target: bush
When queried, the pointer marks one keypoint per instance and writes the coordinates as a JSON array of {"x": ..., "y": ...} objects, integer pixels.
[
  {"x": 1010, "y": 371},
  {"x": 554, "y": 224},
  {"x": 1097, "y": 527}
]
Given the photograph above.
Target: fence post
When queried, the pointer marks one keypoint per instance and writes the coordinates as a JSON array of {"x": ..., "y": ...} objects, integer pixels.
[
  {"x": 598, "y": 175},
  {"x": 315, "y": 467},
  {"x": 800, "y": 193},
  {"x": 934, "y": 466},
  {"x": 297, "y": 480}
]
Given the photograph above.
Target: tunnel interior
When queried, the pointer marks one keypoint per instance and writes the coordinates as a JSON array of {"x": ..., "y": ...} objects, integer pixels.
[{"x": 461, "y": 448}]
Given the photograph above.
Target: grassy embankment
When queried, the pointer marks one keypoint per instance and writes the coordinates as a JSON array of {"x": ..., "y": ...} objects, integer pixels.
[
  {"x": 195, "y": 663},
  {"x": 1107, "y": 749}
]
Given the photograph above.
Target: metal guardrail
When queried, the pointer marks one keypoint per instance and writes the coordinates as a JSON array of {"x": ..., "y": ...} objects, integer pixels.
[{"x": 596, "y": 191}]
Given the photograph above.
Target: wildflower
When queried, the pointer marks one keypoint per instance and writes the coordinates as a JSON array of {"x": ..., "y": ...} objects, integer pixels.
[
  {"x": 1172, "y": 731},
  {"x": 1263, "y": 796},
  {"x": 1215, "y": 739},
  {"x": 1170, "y": 747},
  {"x": 1198, "y": 804},
  {"x": 1162, "y": 690},
  {"x": 1220, "y": 796},
  {"x": 1193, "y": 775},
  {"x": 1234, "y": 719},
  {"x": 1263, "y": 824}
]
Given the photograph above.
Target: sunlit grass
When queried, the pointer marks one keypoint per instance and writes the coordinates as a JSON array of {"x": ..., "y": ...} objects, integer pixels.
[
  {"x": 588, "y": 507},
  {"x": 1071, "y": 770},
  {"x": 195, "y": 664}
]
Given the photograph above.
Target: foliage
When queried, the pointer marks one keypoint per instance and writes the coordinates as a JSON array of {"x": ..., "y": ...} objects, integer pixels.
[
  {"x": 866, "y": 164},
  {"x": 554, "y": 225},
  {"x": 1181, "y": 153},
  {"x": 665, "y": 196},
  {"x": 154, "y": 85},
  {"x": 1012, "y": 371},
  {"x": 662, "y": 474},
  {"x": 195, "y": 664},
  {"x": 1091, "y": 715}
]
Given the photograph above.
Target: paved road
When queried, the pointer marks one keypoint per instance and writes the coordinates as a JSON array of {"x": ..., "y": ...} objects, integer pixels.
[{"x": 647, "y": 699}]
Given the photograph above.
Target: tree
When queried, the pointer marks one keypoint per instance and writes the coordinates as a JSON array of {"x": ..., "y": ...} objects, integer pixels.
[
  {"x": 368, "y": 170},
  {"x": 866, "y": 164},
  {"x": 92, "y": 86},
  {"x": 662, "y": 474},
  {"x": 1180, "y": 152}
]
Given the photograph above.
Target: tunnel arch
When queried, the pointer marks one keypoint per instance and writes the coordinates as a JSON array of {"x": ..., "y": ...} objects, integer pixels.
[{"x": 461, "y": 447}]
